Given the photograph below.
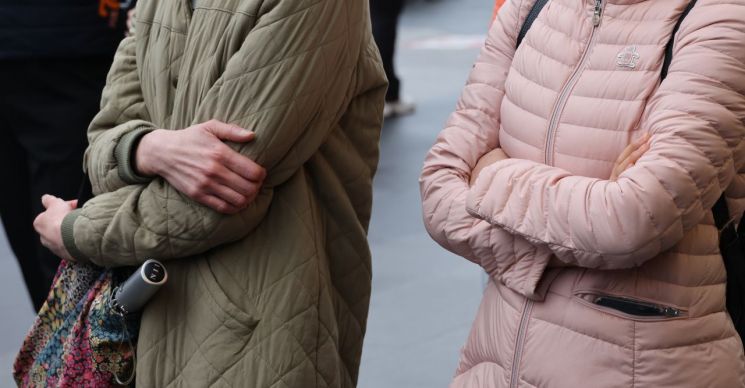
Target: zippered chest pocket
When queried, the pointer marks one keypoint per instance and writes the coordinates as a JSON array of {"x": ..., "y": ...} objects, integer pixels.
[
  {"x": 630, "y": 308},
  {"x": 635, "y": 307}
]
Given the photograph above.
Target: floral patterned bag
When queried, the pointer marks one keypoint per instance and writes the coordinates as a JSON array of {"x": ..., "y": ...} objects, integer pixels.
[{"x": 77, "y": 340}]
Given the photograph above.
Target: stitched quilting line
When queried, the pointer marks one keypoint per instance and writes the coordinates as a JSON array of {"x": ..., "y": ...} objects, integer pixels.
[
  {"x": 302, "y": 286},
  {"x": 220, "y": 376},
  {"x": 163, "y": 26},
  {"x": 252, "y": 348},
  {"x": 299, "y": 11},
  {"x": 309, "y": 230},
  {"x": 343, "y": 35},
  {"x": 230, "y": 12}
]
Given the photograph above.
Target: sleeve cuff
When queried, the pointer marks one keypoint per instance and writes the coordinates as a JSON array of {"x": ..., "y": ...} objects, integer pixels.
[
  {"x": 482, "y": 185},
  {"x": 68, "y": 236},
  {"x": 125, "y": 156}
]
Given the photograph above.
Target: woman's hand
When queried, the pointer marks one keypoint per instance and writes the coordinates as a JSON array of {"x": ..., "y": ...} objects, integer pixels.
[
  {"x": 198, "y": 163},
  {"x": 630, "y": 155},
  {"x": 49, "y": 224},
  {"x": 491, "y": 157}
]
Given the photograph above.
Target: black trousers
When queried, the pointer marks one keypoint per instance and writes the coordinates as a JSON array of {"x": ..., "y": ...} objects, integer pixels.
[
  {"x": 385, "y": 15},
  {"x": 45, "y": 109}
]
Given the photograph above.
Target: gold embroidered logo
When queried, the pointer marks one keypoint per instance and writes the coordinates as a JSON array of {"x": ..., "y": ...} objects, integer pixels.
[{"x": 628, "y": 58}]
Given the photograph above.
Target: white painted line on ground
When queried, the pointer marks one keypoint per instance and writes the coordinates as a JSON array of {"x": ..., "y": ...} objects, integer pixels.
[{"x": 447, "y": 42}]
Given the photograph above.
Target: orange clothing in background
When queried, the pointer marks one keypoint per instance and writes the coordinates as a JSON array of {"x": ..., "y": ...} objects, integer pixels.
[{"x": 497, "y": 4}]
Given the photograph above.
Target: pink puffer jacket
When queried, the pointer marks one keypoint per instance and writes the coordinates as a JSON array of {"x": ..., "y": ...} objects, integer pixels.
[{"x": 556, "y": 235}]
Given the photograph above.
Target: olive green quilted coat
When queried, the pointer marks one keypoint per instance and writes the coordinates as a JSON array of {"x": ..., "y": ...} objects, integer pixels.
[{"x": 277, "y": 295}]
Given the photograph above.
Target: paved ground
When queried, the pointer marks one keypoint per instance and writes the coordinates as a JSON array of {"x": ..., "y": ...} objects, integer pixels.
[
  {"x": 423, "y": 297},
  {"x": 15, "y": 311}
]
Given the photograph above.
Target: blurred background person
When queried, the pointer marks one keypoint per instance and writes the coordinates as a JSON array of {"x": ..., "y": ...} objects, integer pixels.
[
  {"x": 497, "y": 6},
  {"x": 53, "y": 63},
  {"x": 385, "y": 15}
]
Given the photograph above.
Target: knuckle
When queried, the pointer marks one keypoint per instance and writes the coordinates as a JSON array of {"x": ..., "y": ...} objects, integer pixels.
[
  {"x": 211, "y": 169},
  {"x": 218, "y": 154},
  {"x": 202, "y": 184},
  {"x": 222, "y": 207},
  {"x": 261, "y": 173},
  {"x": 215, "y": 152},
  {"x": 195, "y": 193},
  {"x": 206, "y": 200}
]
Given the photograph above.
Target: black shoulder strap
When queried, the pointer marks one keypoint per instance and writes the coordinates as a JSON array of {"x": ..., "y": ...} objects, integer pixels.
[
  {"x": 669, "y": 47},
  {"x": 721, "y": 213},
  {"x": 532, "y": 15}
]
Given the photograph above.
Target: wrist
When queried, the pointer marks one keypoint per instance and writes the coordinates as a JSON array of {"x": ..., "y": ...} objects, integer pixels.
[
  {"x": 145, "y": 156},
  {"x": 67, "y": 231}
]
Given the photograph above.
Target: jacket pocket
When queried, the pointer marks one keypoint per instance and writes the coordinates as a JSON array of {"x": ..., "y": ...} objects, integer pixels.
[
  {"x": 234, "y": 317},
  {"x": 227, "y": 330},
  {"x": 634, "y": 308}
]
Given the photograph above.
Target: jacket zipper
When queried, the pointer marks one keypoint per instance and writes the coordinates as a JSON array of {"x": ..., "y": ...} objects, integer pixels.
[
  {"x": 527, "y": 308},
  {"x": 564, "y": 95},
  {"x": 549, "y": 160}
]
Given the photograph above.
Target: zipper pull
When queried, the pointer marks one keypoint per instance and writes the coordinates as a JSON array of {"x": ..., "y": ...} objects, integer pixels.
[
  {"x": 598, "y": 12},
  {"x": 670, "y": 312}
]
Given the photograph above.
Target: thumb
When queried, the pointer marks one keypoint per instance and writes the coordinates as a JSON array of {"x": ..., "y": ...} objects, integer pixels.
[
  {"x": 73, "y": 203},
  {"x": 229, "y": 132},
  {"x": 48, "y": 200}
]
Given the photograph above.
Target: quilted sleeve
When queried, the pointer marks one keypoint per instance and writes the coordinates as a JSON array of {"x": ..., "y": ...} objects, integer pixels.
[
  {"x": 121, "y": 122},
  {"x": 470, "y": 132},
  {"x": 289, "y": 82},
  {"x": 697, "y": 122}
]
